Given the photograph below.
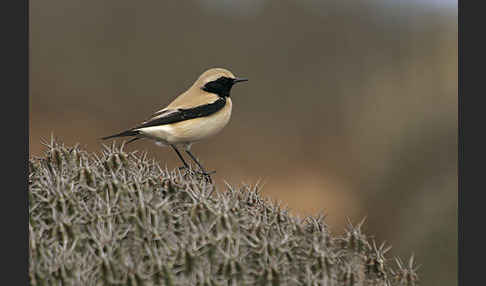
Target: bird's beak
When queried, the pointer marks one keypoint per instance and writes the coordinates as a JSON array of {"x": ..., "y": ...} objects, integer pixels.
[{"x": 239, "y": 79}]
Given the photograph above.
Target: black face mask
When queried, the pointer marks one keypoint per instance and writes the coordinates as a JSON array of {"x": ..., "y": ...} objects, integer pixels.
[{"x": 222, "y": 86}]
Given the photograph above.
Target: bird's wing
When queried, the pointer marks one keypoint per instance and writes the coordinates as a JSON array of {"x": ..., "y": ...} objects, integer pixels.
[{"x": 168, "y": 116}]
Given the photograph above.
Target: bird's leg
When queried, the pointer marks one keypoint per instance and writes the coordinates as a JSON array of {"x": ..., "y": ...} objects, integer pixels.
[
  {"x": 200, "y": 166},
  {"x": 180, "y": 157}
]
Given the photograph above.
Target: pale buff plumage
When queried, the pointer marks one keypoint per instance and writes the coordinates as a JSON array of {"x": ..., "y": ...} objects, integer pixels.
[
  {"x": 190, "y": 131},
  {"x": 200, "y": 112},
  {"x": 193, "y": 130},
  {"x": 194, "y": 96}
]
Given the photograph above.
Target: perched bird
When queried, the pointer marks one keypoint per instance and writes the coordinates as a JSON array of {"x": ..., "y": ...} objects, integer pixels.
[{"x": 198, "y": 113}]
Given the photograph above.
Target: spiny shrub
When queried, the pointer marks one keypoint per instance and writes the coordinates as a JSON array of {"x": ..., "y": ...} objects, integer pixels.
[{"x": 117, "y": 218}]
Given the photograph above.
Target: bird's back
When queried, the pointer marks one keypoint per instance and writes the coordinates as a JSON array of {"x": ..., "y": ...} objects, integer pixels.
[{"x": 191, "y": 98}]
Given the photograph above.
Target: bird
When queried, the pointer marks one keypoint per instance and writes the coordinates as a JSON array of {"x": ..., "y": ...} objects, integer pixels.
[{"x": 200, "y": 112}]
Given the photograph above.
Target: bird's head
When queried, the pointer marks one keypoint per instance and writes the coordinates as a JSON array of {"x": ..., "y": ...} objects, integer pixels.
[{"x": 218, "y": 81}]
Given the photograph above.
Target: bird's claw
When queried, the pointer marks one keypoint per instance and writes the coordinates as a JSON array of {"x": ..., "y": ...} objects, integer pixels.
[{"x": 205, "y": 174}]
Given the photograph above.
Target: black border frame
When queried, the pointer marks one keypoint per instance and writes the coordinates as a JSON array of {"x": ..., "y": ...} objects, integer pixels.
[
  {"x": 460, "y": 147},
  {"x": 15, "y": 95}
]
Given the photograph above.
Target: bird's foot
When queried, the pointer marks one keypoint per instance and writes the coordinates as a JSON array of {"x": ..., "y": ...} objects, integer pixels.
[
  {"x": 183, "y": 168},
  {"x": 206, "y": 175}
]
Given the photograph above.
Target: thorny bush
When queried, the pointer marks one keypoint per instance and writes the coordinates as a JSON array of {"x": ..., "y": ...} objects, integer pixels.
[{"x": 117, "y": 218}]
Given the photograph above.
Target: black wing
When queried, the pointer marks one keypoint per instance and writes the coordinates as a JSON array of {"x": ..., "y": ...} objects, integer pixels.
[
  {"x": 174, "y": 116},
  {"x": 185, "y": 114}
]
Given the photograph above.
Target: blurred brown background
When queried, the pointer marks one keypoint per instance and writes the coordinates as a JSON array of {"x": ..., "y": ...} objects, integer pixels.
[{"x": 351, "y": 107}]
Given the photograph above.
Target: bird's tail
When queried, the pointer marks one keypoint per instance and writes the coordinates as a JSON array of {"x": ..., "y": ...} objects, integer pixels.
[{"x": 123, "y": 134}]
